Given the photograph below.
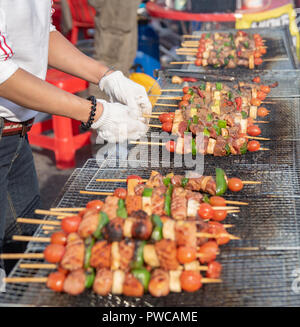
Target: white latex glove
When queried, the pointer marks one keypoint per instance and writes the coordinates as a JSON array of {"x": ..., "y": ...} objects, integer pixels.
[
  {"x": 121, "y": 89},
  {"x": 117, "y": 125}
]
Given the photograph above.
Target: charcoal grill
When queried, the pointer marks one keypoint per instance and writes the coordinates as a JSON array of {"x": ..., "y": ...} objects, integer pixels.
[{"x": 279, "y": 45}]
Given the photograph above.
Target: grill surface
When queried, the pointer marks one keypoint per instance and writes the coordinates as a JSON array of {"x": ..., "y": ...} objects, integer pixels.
[{"x": 279, "y": 45}]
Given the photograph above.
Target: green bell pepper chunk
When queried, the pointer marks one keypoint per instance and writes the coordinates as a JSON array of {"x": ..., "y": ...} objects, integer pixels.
[
  {"x": 202, "y": 87},
  {"x": 184, "y": 181},
  {"x": 138, "y": 261},
  {"x": 205, "y": 198},
  {"x": 89, "y": 277},
  {"x": 230, "y": 57},
  {"x": 207, "y": 36},
  {"x": 195, "y": 119},
  {"x": 168, "y": 198},
  {"x": 89, "y": 242},
  {"x": 246, "y": 44},
  {"x": 231, "y": 36},
  {"x": 222, "y": 123},
  {"x": 217, "y": 129},
  {"x": 226, "y": 44},
  {"x": 209, "y": 117},
  {"x": 226, "y": 61},
  {"x": 220, "y": 181},
  {"x": 243, "y": 148},
  {"x": 244, "y": 114},
  {"x": 121, "y": 211},
  {"x": 229, "y": 94},
  {"x": 216, "y": 65},
  {"x": 192, "y": 98},
  {"x": 157, "y": 234},
  {"x": 227, "y": 148},
  {"x": 143, "y": 275},
  {"x": 147, "y": 192},
  {"x": 156, "y": 220},
  {"x": 167, "y": 181},
  {"x": 194, "y": 149},
  {"x": 206, "y": 132},
  {"x": 188, "y": 125},
  {"x": 219, "y": 86},
  {"x": 191, "y": 91},
  {"x": 103, "y": 220}
]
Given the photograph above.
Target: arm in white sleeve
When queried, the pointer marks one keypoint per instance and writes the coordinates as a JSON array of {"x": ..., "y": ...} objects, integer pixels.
[
  {"x": 52, "y": 27},
  {"x": 7, "y": 65}
]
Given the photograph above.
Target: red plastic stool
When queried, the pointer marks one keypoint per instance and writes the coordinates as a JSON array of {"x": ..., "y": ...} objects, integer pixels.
[{"x": 66, "y": 139}]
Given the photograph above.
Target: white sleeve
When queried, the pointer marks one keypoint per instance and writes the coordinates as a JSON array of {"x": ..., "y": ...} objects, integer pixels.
[
  {"x": 52, "y": 27},
  {"x": 7, "y": 65}
]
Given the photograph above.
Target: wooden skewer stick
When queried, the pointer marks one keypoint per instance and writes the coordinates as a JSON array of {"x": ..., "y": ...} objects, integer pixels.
[
  {"x": 67, "y": 209},
  {"x": 52, "y": 213},
  {"x": 121, "y": 180},
  {"x": 38, "y": 221},
  {"x": 166, "y": 105},
  {"x": 13, "y": 256},
  {"x": 181, "y": 62},
  {"x": 31, "y": 239},
  {"x": 47, "y": 228},
  {"x": 38, "y": 266},
  {"x": 168, "y": 98},
  {"x": 96, "y": 193},
  {"x": 251, "y": 182}
]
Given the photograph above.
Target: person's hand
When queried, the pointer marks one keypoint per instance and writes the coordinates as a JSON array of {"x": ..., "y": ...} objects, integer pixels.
[
  {"x": 121, "y": 89},
  {"x": 117, "y": 125}
]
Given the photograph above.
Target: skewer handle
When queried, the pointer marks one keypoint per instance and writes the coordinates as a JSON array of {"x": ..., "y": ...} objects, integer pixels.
[{"x": 26, "y": 280}]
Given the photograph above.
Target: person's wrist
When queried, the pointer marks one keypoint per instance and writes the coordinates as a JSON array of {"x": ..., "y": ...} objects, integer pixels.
[{"x": 106, "y": 72}]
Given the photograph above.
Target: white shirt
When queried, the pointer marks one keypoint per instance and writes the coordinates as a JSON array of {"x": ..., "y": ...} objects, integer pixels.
[{"x": 24, "y": 38}]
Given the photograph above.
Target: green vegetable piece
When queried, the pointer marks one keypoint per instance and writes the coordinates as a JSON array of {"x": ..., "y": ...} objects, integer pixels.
[
  {"x": 157, "y": 233},
  {"x": 220, "y": 181},
  {"x": 202, "y": 87},
  {"x": 147, "y": 192},
  {"x": 243, "y": 148},
  {"x": 195, "y": 119},
  {"x": 192, "y": 98},
  {"x": 89, "y": 242},
  {"x": 217, "y": 129},
  {"x": 222, "y": 123},
  {"x": 226, "y": 44},
  {"x": 167, "y": 181},
  {"x": 246, "y": 44},
  {"x": 143, "y": 275},
  {"x": 229, "y": 94},
  {"x": 138, "y": 261},
  {"x": 226, "y": 61},
  {"x": 227, "y": 148},
  {"x": 122, "y": 213},
  {"x": 188, "y": 125},
  {"x": 205, "y": 198},
  {"x": 121, "y": 204},
  {"x": 209, "y": 117},
  {"x": 230, "y": 57},
  {"x": 156, "y": 220},
  {"x": 244, "y": 114},
  {"x": 206, "y": 132},
  {"x": 191, "y": 91},
  {"x": 168, "y": 197},
  {"x": 219, "y": 86},
  {"x": 103, "y": 220},
  {"x": 89, "y": 277},
  {"x": 207, "y": 36},
  {"x": 184, "y": 181}
]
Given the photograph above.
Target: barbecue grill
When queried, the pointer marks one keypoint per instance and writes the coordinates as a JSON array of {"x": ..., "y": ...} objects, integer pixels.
[{"x": 262, "y": 268}]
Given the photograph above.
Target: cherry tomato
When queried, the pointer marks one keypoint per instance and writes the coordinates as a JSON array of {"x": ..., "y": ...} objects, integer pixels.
[
  {"x": 54, "y": 253},
  {"x": 201, "y": 48},
  {"x": 120, "y": 193},
  {"x": 55, "y": 281},
  {"x": 257, "y": 54},
  {"x": 205, "y": 211},
  {"x": 135, "y": 177},
  {"x": 253, "y": 130},
  {"x": 96, "y": 204},
  {"x": 219, "y": 215},
  {"x": 167, "y": 127},
  {"x": 190, "y": 280},
  {"x": 59, "y": 238},
  {"x": 217, "y": 201},
  {"x": 235, "y": 184},
  {"x": 214, "y": 270},
  {"x": 265, "y": 88},
  {"x": 202, "y": 42},
  {"x": 186, "y": 254},
  {"x": 253, "y": 146},
  {"x": 199, "y": 55},
  {"x": 257, "y": 36},
  {"x": 261, "y": 95},
  {"x": 208, "y": 251},
  {"x": 186, "y": 89},
  {"x": 166, "y": 117},
  {"x": 70, "y": 224},
  {"x": 218, "y": 229},
  {"x": 183, "y": 104},
  {"x": 262, "y": 112},
  {"x": 170, "y": 146},
  {"x": 198, "y": 62},
  {"x": 263, "y": 50},
  {"x": 255, "y": 102},
  {"x": 186, "y": 97},
  {"x": 256, "y": 79},
  {"x": 258, "y": 61},
  {"x": 63, "y": 270},
  {"x": 82, "y": 212}
]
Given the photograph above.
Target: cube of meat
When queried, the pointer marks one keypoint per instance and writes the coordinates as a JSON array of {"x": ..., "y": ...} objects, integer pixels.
[
  {"x": 126, "y": 248},
  {"x": 166, "y": 252},
  {"x": 74, "y": 255},
  {"x": 133, "y": 203},
  {"x": 158, "y": 200},
  {"x": 101, "y": 255},
  {"x": 110, "y": 206},
  {"x": 75, "y": 282},
  {"x": 89, "y": 223},
  {"x": 179, "y": 204},
  {"x": 103, "y": 281}
]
